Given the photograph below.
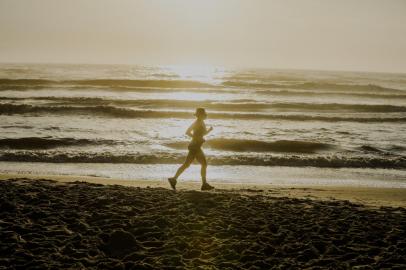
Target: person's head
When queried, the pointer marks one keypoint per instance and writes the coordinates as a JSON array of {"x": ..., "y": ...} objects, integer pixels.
[{"x": 201, "y": 113}]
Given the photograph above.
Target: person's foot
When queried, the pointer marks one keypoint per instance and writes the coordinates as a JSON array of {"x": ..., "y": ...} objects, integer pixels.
[
  {"x": 206, "y": 186},
  {"x": 172, "y": 182}
]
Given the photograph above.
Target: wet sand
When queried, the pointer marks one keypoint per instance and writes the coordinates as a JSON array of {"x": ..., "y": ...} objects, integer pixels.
[
  {"x": 369, "y": 196},
  {"x": 52, "y": 224}
]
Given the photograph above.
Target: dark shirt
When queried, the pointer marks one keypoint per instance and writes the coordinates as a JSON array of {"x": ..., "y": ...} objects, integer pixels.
[{"x": 198, "y": 131}]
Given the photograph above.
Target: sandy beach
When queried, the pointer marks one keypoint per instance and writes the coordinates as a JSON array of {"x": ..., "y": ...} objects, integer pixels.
[
  {"x": 368, "y": 196},
  {"x": 206, "y": 135},
  {"x": 75, "y": 224}
]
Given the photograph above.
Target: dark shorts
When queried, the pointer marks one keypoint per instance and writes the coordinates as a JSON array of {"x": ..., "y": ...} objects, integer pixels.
[{"x": 195, "y": 147}]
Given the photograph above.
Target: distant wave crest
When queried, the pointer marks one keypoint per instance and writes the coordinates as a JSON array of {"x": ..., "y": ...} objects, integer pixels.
[
  {"x": 318, "y": 93},
  {"x": 112, "y": 111},
  {"x": 316, "y": 85},
  {"x": 232, "y": 105},
  {"x": 174, "y": 83},
  {"x": 339, "y": 107},
  {"x": 107, "y": 83}
]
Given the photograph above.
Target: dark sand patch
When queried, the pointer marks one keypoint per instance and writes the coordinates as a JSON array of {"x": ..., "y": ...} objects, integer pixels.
[{"x": 44, "y": 224}]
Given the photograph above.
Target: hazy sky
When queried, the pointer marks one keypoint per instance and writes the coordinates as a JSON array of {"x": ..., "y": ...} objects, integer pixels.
[{"x": 312, "y": 34}]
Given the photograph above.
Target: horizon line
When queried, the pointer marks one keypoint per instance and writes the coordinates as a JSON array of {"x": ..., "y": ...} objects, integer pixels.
[{"x": 213, "y": 66}]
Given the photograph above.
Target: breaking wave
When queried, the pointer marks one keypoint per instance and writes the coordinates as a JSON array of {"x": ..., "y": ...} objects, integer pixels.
[
  {"x": 46, "y": 143},
  {"x": 239, "y": 145},
  {"x": 254, "y": 160},
  {"x": 317, "y": 85}
]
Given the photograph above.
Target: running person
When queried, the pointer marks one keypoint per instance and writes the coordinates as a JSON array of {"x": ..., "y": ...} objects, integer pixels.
[{"x": 196, "y": 131}]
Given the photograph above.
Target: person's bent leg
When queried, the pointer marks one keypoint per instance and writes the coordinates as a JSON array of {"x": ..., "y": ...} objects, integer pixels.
[{"x": 189, "y": 159}]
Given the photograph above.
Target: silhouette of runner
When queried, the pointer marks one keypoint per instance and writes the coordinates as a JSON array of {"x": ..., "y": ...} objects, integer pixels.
[{"x": 197, "y": 130}]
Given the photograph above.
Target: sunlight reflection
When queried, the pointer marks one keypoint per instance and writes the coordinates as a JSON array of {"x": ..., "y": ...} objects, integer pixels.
[
  {"x": 203, "y": 73},
  {"x": 190, "y": 96}
]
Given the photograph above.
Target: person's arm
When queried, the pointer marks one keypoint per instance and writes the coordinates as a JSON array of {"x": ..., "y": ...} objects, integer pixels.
[
  {"x": 189, "y": 130},
  {"x": 209, "y": 130}
]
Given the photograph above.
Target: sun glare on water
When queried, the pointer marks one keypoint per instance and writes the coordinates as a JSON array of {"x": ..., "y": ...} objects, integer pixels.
[
  {"x": 210, "y": 75},
  {"x": 202, "y": 73}
]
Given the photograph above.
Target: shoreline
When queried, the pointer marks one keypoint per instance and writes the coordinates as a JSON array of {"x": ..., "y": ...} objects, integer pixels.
[{"x": 368, "y": 196}]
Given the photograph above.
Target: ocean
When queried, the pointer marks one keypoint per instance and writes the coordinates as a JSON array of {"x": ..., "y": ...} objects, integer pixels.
[{"x": 274, "y": 124}]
